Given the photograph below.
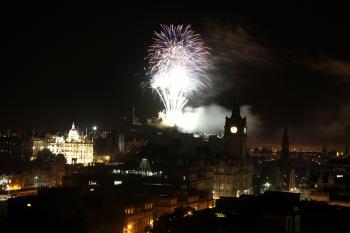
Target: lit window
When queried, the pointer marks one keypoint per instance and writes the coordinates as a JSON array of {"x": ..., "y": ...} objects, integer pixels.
[
  {"x": 92, "y": 182},
  {"x": 118, "y": 182},
  {"x": 220, "y": 215}
]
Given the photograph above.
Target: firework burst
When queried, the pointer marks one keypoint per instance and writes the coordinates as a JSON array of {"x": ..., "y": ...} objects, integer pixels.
[{"x": 178, "y": 67}]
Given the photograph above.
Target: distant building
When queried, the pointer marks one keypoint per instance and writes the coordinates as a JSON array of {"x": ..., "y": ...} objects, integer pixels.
[
  {"x": 76, "y": 148},
  {"x": 38, "y": 145}
]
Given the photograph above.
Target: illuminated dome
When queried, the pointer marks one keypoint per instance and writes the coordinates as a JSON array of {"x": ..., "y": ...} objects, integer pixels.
[{"x": 73, "y": 134}]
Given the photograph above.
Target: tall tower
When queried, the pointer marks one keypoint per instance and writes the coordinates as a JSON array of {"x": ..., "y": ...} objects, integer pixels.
[
  {"x": 285, "y": 145},
  {"x": 235, "y": 135}
]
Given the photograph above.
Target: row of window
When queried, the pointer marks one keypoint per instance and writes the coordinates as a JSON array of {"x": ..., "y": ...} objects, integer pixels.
[{"x": 129, "y": 211}]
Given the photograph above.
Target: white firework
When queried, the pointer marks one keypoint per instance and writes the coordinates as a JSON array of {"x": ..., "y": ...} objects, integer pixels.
[{"x": 178, "y": 67}]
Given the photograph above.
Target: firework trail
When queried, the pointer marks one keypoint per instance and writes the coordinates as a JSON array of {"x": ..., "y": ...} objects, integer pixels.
[{"x": 178, "y": 66}]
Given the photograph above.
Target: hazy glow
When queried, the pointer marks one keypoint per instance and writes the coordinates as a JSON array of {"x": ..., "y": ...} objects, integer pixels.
[
  {"x": 178, "y": 64},
  {"x": 186, "y": 121},
  {"x": 13, "y": 187},
  {"x": 234, "y": 129},
  {"x": 294, "y": 190}
]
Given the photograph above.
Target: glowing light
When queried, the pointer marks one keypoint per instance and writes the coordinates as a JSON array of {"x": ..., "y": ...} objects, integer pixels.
[
  {"x": 178, "y": 64},
  {"x": 92, "y": 182},
  {"x": 220, "y": 215},
  {"x": 118, "y": 182},
  {"x": 294, "y": 190},
  {"x": 340, "y": 176},
  {"x": 29, "y": 205},
  {"x": 189, "y": 213},
  {"x": 13, "y": 187},
  {"x": 234, "y": 129},
  {"x": 94, "y": 128},
  {"x": 186, "y": 121}
]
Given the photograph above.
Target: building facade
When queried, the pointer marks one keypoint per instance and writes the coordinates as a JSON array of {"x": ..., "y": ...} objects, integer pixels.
[{"x": 76, "y": 148}]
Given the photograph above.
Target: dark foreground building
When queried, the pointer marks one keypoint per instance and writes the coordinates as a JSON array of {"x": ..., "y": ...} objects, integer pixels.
[{"x": 272, "y": 212}]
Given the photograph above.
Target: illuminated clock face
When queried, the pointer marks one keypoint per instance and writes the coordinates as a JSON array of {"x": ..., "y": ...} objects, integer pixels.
[
  {"x": 245, "y": 129},
  {"x": 234, "y": 129}
]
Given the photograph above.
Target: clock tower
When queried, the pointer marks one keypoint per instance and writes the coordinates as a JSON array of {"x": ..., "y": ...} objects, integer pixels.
[{"x": 235, "y": 135}]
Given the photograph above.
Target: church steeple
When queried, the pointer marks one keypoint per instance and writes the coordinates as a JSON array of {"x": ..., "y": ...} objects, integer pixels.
[{"x": 285, "y": 144}]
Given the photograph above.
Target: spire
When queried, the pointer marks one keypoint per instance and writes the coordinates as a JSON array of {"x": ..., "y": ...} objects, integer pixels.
[
  {"x": 236, "y": 110},
  {"x": 73, "y": 125}
]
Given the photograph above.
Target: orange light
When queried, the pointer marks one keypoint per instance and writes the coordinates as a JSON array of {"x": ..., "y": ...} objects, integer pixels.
[{"x": 13, "y": 187}]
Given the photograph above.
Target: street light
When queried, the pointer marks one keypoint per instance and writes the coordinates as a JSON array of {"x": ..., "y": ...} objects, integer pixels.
[{"x": 94, "y": 128}]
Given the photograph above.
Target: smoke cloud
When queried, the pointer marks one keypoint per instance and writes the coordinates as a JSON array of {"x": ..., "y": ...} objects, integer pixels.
[{"x": 210, "y": 119}]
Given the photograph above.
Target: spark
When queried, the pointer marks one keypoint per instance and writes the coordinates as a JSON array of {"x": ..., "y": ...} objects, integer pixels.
[{"x": 178, "y": 66}]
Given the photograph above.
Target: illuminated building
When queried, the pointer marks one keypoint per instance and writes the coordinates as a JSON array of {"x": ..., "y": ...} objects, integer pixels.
[
  {"x": 138, "y": 217},
  {"x": 76, "y": 148},
  {"x": 38, "y": 145},
  {"x": 232, "y": 179}
]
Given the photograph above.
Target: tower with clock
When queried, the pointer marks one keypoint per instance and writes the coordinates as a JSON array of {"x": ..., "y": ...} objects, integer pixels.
[
  {"x": 235, "y": 134},
  {"x": 233, "y": 176}
]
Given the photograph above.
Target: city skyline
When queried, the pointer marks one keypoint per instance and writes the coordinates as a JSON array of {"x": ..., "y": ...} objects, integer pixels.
[{"x": 87, "y": 66}]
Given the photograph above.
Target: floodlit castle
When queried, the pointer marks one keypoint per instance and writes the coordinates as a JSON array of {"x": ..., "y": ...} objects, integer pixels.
[{"x": 76, "y": 148}]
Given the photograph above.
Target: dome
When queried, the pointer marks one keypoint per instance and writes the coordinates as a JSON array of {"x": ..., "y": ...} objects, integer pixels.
[{"x": 73, "y": 134}]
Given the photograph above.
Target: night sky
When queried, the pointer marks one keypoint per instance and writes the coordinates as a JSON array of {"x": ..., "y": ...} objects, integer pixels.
[{"x": 290, "y": 63}]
